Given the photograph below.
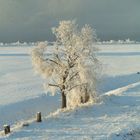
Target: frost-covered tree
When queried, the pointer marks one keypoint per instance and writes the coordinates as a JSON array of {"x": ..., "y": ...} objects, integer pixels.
[{"x": 70, "y": 65}]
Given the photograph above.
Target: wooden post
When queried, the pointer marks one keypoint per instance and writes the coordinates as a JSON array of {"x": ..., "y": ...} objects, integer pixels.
[
  {"x": 6, "y": 129},
  {"x": 38, "y": 117}
]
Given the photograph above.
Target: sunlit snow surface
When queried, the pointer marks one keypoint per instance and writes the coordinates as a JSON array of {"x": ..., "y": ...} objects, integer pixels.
[{"x": 116, "y": 115}]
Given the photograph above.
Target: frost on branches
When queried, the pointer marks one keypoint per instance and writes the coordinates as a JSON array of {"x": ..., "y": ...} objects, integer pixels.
[{"x": 69, "y": 66}]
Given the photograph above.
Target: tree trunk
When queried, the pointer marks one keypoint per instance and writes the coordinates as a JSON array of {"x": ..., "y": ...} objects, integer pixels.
[{"x": 63, "y": 100}]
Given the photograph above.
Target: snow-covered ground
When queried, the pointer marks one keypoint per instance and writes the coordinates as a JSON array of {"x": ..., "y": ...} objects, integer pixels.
[
  {"x": 21, "y": 91},
  {"x": 115, "y": 116}
]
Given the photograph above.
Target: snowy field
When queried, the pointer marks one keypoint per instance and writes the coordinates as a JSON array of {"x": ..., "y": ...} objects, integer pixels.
[{"x": 115, "y": 116}]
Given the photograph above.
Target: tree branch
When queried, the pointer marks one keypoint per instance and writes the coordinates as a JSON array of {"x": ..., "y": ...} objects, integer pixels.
[
  {"x": 77, "y": 56},
  {"x": 54, "y": 61},
  {"x": 73, "y": 76},
  {"x": 53, "y": 85},
  {"x": 76, "y": 86}
]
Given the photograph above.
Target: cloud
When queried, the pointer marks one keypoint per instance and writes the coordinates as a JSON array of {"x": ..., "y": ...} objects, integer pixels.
[{"x": 31, "y": 20}]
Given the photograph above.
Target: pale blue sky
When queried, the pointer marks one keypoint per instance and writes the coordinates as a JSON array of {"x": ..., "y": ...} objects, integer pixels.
[{"x": 31, "y": 20}]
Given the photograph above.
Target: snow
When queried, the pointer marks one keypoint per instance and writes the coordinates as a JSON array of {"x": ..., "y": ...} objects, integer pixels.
[
  {"x": 21, "y": 91},
  {"x": 114, "y": 116}
]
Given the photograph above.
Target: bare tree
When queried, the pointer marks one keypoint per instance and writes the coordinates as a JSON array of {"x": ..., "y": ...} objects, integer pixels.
[{"x": 70, "y": 64}]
